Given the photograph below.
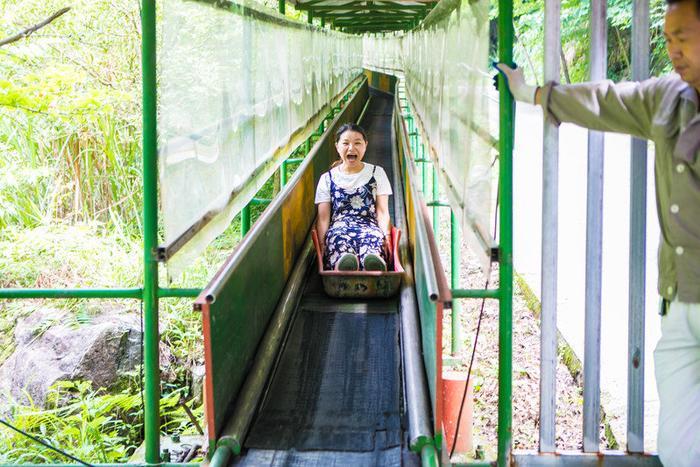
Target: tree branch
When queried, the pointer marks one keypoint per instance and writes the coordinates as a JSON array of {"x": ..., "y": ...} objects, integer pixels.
[{"x": 28, "y": 32}]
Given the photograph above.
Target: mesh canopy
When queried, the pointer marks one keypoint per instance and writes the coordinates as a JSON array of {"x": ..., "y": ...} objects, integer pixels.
[
  {"x": 239, "y": 89},
  {"x": 446, "y": 78}
]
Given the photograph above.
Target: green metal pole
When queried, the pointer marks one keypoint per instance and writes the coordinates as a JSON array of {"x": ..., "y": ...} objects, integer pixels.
[
  {"x": 310, "y": 16},
  {"x": 423, "y": 170},
  {"x": 505, "y": 146},
  {"x": 179, "y": 293},
  {"x": 245, "y": 220},
  {"x": 436, "y": 210},
  {"x": 455, "y": 245},
  {"x": 281, "y": 6},
  {"x": 71, "y": 293},
  {"x": 283, "y": 174},
  {"x": 150, "y": 234},
  {"x": 429, "y": 456},
  {"x": 477, "y": 293},
  {"x": 221, "y": 457}
]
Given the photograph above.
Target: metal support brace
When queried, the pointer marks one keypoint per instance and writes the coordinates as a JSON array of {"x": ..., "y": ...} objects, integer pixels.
[
  {"x": 455, "y": 245},
  {"x": 550, "y": 231},
  {"x": 150, "y": 236},
  {"x": 245, "y": 220},
  {"x": 637, "y": 255},
  {"x": 505, "y": 273},
  {"x": 594, "y": 240}
]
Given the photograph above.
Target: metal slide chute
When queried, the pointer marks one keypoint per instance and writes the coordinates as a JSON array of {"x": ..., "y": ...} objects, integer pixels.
[{"x": 296, "y": 376}]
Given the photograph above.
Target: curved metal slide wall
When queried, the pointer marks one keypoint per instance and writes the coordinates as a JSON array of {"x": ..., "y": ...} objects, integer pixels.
[
  {"x": 431, "y": 287},
  {"x": 381, "y": 81},
  {"x": 236, "y": 312}
]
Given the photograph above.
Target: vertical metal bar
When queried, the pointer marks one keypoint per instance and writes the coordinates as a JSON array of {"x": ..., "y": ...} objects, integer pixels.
[
  {"x": 310, "y": 16},
  {"x": 594, "y": 240},
  {"x": 550, "y": 241},
  {"x": 245, "y": 220},
  {"x": 505, "y": 173},
  {"x": 150, "y": 234},
  {"x": 281, "y": 6},
  {"x": 455, "y": 244},
  {"x": 283, "y": 174},
  {"x": 637, "y": 259},
  {"x": 436, "y": 208}
]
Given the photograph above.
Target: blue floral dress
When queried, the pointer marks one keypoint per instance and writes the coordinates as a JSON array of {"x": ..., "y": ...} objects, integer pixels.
[{"x": 354, "y": 226}]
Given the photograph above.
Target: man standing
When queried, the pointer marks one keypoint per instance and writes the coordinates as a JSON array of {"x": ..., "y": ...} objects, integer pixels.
[{"x": 664, "y": 110}]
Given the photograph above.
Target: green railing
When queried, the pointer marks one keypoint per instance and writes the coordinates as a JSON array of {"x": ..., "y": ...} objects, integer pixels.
[
  {"x": 150, "y": 293},
  {"x": 503, "y": 293}
]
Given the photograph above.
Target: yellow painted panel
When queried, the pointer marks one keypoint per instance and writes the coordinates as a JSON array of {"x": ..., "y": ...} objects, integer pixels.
[{"x": 297, "y": 214}]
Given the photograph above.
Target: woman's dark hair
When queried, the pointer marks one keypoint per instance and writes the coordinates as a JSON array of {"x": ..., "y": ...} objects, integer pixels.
[
  {"x": 347, "y": 127},
  {"x": 350, "y": 127}
]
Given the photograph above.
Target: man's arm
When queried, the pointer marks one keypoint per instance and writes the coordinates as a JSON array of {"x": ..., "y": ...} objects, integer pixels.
[{"x": 603, "y": 105}]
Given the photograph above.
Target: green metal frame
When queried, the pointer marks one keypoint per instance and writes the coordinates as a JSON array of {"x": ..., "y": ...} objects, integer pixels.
[
  {"x": 504, "y": 292},
  {"x": 150, "y": 293}
]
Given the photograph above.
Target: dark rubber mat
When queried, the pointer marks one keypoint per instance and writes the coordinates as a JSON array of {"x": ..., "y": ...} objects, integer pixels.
[
  {"x": 256, "y": 457},
  {"x": 337, "y": 386},
  {"x": 335, "y": 397},
  {"x": 377, "y": 123}
]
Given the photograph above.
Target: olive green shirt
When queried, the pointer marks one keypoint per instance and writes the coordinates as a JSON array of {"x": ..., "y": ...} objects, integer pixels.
[{"x": 664, "y": 110}]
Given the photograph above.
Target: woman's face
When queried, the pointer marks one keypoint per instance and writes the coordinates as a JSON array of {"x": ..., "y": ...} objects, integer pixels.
[{"x": 351, "y": 148}]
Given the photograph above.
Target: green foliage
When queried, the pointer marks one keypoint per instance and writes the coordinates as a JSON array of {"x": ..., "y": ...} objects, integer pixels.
[
  {"x": 80, "y": 255},
  {"x": 69, "y": 115},
  {"x": 90, "y": 424},
  {"x": 575, "y": 35}
]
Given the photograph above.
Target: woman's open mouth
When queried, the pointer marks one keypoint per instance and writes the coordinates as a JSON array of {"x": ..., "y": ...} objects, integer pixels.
[{"x": 351, "y": 157}]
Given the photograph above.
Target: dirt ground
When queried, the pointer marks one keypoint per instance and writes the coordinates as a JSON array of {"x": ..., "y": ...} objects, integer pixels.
[{"x": 526, "y": 352}]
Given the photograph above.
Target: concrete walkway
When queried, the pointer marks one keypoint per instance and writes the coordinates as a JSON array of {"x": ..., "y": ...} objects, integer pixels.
[{"x": 572, "y": 236}]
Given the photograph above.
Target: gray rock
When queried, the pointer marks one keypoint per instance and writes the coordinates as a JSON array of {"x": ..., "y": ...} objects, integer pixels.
[{"x": 52, "y": 346}]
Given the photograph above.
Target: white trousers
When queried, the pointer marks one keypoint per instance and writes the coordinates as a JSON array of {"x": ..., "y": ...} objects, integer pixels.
[{"x": 677, "y": 361}]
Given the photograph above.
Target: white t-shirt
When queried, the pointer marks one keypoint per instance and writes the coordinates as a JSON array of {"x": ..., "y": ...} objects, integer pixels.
[{"x": 352, "y": 181}]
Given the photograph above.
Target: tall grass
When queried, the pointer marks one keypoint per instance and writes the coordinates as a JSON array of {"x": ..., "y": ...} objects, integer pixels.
[{"x": 89, "y": 424}]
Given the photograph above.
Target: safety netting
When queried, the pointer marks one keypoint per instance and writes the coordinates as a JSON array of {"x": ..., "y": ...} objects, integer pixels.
[
  {"x": 444, "y": 66},
  {"x": 240, "y": 88}
]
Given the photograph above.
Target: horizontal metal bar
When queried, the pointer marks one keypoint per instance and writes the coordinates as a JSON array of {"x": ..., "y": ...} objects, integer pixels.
[
  {"x": 439, "y": 204},
  {"x": 257, "y": 13},
  {"x": 71, "y": 293},
  {"x": 260, "y": 201},
  {"x": 372, "y": 16},
  {"x": 344, "y": 9},
  {"x": 579, "y": 459},
  {"x": 475, "y": 293},
  {"x": 135, "y": 293},
  {"x": 474, "y": 464},
  {"x": 295, "y": 160},
  {"x": 177, "y": 292}
]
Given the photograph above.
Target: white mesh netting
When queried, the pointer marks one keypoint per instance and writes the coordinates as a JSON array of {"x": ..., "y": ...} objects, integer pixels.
[
  {"x": 445, "y": 69},
  {"x": 237, "y": 93}
]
